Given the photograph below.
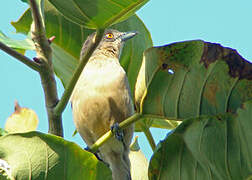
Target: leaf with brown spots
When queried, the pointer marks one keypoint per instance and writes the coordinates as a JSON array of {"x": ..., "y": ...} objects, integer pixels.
[{"x": 192, "y": 78}]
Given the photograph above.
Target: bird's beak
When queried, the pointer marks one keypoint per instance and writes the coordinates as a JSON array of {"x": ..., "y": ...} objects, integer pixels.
[{"x": 128, "y": 35}]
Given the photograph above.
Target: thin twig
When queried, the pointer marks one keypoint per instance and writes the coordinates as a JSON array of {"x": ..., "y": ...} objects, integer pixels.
[
  {"x": 20, "y": 57},
  {"x": 69, "y": 89},
  {"x": 44, "y": 54},
  {"x": 109, "y": 134}
]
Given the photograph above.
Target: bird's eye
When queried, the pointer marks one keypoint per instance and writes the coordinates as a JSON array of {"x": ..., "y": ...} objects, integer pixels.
[{"x": 109, "y": 35}]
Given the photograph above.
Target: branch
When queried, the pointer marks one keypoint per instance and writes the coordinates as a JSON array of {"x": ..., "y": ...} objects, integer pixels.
[
  {"x": 69, "y": 89},
  {"x": 109, "y": 134},
  {"x": 44, "y": 54},
  {"x": 20, "y": 57}
]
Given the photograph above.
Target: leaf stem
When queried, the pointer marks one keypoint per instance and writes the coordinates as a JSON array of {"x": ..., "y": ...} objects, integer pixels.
[
  {"x": 109, "y": 134},
  {"x": 69, "y": 89},
  {"x": 149, "y": 137},
  {"x": 160, "y": 117},
  {"x": 33, "y": 65}
]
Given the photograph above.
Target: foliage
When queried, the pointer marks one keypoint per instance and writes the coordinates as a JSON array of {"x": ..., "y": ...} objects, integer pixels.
[{"x": 203, "y": 88}]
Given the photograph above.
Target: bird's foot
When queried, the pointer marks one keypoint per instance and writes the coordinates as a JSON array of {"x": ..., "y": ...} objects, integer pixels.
[{"x": 116, "y": 130}]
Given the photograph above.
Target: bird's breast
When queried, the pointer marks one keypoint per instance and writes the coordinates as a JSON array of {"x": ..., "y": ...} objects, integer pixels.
[{"x": 102, "y": 76}]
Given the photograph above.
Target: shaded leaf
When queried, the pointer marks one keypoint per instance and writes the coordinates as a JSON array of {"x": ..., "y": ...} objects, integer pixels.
[
  {"x": 132, "y": 54},
  {"x": 70, "y": 36},
  {"x": 139, "y": 163},
  {"x": 22, "y": 120},
  {"x": 207, "y": 79},
  {"x": 35, "y": 155},
  {"x": 209, "y": 147},
  {"x": 97, "y": 13},
  {"x": 156, "y": 123}
]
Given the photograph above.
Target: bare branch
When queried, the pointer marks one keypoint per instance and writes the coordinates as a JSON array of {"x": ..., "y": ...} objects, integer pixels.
[
  {"x": 20, "y": 57},
  {"x": 44, "y": 54}
]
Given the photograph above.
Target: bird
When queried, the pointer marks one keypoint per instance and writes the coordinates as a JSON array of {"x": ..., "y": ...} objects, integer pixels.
[{"x": 101, "y": 99}]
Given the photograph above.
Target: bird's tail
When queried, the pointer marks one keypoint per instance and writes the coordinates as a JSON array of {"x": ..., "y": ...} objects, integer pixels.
[
  {"x": 120, "y": 166},
  {"x": 118, "y": 160}
]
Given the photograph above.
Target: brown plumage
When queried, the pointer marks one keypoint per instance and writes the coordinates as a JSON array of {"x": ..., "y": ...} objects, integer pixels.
[{"x": 101, "y": 98}]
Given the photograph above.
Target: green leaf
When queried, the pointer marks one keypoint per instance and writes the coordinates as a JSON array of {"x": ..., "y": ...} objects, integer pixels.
[
  {"x": 23, "y": 24},
  {"x": 17, "y": 44},
  {"x": 22, "y": 120},
  {"x": 70, "y": 36},
  {"x": 209, "y": 147},
  {"x": 3, "y": 132},
  {"x": 35, "y": 155},
  {"x": 156, "y": 123},
  {"x": 207, "y": 79},
  {"x": 74, "y": 133},
  {"x": 99, "y": 13},
  {"x": 132, "y": 54}
]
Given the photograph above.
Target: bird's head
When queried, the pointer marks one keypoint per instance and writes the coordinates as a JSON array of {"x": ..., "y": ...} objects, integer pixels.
[{"x": 111, "y": 43}]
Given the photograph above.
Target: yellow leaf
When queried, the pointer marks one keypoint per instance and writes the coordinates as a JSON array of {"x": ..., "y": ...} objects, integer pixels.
[
  {"x": 22, "y": 120},
  {"x": 139, "y": 163}
]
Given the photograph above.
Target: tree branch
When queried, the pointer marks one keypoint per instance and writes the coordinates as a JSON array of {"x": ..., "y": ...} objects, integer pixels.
[
  {"x": 109, "y": 134},
  {"x": 44, "y": 54},
  {"x": 69, "y": 89},
  {"x": 20, "y": 57}
]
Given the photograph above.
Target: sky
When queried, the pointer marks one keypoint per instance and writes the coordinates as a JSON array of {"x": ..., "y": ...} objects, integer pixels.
[{"x": 227, "y": 22}]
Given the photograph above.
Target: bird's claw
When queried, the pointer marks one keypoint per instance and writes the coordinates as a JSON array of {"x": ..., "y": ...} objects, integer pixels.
[{"x": 116, "y": 130}]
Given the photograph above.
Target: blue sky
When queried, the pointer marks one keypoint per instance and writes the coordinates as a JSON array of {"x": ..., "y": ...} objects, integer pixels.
[{"x": 227, "y": 22}]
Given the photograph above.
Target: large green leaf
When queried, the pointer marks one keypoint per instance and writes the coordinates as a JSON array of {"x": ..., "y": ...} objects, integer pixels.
[
  {"x": 69, "y": 39},
  {"x": 35, "y": 155},
  {"x": 209, "y": 147},
  {"x": 97, "y": 13},
  {"x": 207, "y": 79},
  {"x": 70, "y": 36}
]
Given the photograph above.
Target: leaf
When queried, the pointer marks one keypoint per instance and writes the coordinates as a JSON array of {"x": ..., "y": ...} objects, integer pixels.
[
  {"x": 17, "y": 44},
  {"x": 3, "y": 132},
  {"x": 74, "y": 133},
  {"x": 70, "y": 36},
  {"x": 139, "y": 163},
  {"x": 35, "y": 155},
  {"x": 22, "y": 120},
  {"x": 209, "y": 147},
  {"x": 156, "y": 123},
  {"x": 98, "y": 13},
  {"x": 132, "y": 54},
  {"x": 5, "y": 172},
  {"x": 207, "y": 79}
]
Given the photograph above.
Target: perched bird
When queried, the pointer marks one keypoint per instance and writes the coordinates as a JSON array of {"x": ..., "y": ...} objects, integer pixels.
[{"x": 102, "y": 98}]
